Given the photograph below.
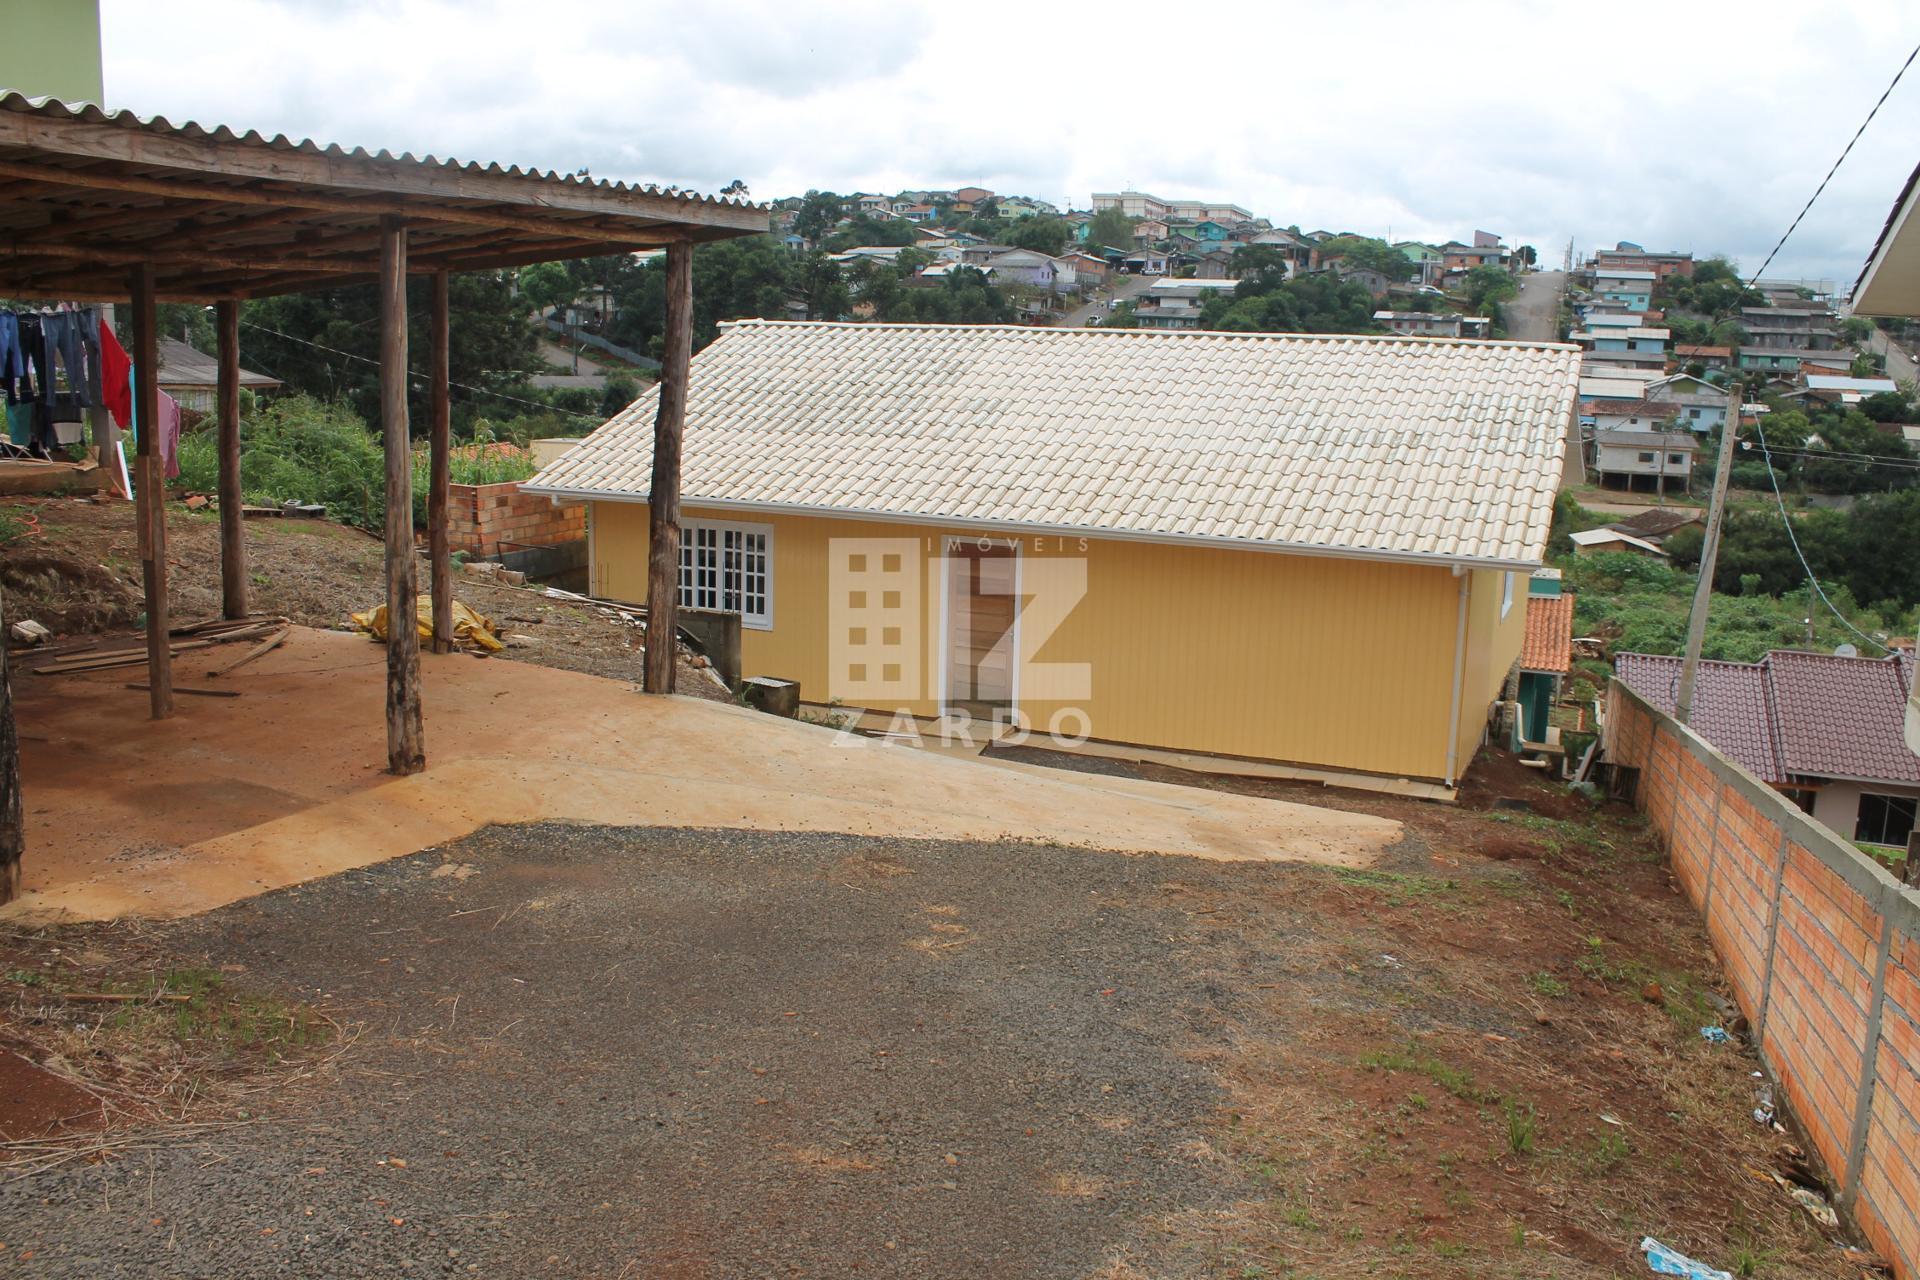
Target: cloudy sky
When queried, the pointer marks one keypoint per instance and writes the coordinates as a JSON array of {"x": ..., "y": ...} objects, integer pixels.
[{"x": 1703, "y": 127}]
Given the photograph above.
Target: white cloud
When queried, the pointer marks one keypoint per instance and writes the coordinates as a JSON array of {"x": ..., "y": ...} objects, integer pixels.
[{"x": 1706, "y": 132}]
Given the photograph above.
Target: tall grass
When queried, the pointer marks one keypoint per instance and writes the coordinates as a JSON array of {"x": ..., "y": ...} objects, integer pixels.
[{"x": 299, "y": 449}]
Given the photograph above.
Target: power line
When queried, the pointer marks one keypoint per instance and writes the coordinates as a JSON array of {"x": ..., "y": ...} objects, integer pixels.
[
  {"x": 1779, "y": 499},
  {"x": 1844, "y": 153},
  {"x": 1794, "y": 540},
  {"x": 413, "y": 374}
]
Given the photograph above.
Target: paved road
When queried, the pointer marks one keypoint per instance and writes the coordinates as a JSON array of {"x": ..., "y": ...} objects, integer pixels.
[
  {"x": 1127, "y": 287},
  {"x": 1900, "y": 365},
  {"x": 1534, "y": 316},
  {"x": 1535, "y": 313}
]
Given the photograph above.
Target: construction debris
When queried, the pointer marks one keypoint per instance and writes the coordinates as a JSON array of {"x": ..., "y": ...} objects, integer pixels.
[
  {"x": 27, "y": 631},
  {"x": 199, "y": 635},
  {"x": 472, "y": 631}
]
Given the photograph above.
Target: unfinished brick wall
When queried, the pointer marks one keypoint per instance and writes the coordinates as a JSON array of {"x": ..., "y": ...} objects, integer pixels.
[
  {"x": 485, "y": 519},
  {"x": 1822, "y": 947}
]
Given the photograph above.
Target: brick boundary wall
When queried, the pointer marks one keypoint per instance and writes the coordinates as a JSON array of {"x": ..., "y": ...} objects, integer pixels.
[
  {"x": 484, "y": 519},
  {"x": 1822, "y": 947}
]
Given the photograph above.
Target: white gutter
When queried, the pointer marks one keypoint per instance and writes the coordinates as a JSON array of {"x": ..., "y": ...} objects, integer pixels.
[
  {"x": 1049, "y": 530},
  {"x": 1459, "y": 677}
]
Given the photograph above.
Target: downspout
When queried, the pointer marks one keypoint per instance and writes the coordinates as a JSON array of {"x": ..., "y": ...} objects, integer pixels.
[{"x": 1459, "y": 676}]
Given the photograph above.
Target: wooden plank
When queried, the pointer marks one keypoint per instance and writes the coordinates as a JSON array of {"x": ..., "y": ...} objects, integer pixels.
[
  {"x": 390, "y": 178},
  {"x": 439, "y": 468},
  {"x": 663, "y": 507},
  {"x": 13, "y": 823},
  {"x": 260, "y": 650},
  {"x": 198, "y": 693},
  {"x": 406, "y": 752},
  {"x": 115, "y": 659},
  {"x": 150, "y": 493},
  {"x": 233, "y": 537}
]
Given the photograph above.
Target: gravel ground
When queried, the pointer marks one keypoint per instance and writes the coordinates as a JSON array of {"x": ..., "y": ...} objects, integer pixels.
[{"x": 657, "y": 1053}]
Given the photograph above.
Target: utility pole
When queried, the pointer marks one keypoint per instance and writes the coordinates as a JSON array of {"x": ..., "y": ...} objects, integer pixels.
[{"x": 1709, "y": 553}]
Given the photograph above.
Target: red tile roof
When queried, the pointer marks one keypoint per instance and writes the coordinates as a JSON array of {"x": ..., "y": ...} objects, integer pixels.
[
  {"x": 1549, "y": 642},
  {"x": 1793, "y": 714}
]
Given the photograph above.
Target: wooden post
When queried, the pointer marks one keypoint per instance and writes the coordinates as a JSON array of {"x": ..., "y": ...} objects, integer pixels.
[
  {"x": 663, "y": 496},
  {"x": 1709, "y": 555},
  {"x": 233, "y": 544},
  {"x": 150, "y": 513},
  {"x": 13, "y": 831},
  {"x": 439, "y": 556},
  {"x": 406, "y": 752}
]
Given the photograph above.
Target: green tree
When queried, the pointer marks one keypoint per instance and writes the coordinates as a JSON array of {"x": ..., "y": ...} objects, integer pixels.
[
  {"x": 1110, "y": 228},
  {"x": 1487, "y": 287},
  {"x": 818, "y": 212},
  {"x": 1369, "y": 254},
  {"x": 546, "y": 285},
  {"x": 1888, "y": 406},
  {"x": 1041, "y": 234},
  {"x": 327, "y": 344}
]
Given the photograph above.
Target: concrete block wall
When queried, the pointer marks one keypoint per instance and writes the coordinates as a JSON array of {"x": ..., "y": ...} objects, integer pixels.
[
  {"x": 484, "y": 519},
  {"x": 1822, "y": 947}
]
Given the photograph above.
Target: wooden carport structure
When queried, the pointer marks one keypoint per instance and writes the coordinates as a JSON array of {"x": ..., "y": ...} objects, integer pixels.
[{"x": 107, "y": 206}]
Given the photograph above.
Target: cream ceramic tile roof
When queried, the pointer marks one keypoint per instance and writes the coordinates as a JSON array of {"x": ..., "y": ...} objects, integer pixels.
[{"x": 1379, "y": 447}]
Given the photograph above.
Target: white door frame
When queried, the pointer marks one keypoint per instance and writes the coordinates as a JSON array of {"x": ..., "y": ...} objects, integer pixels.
[{"x": 1019, "y": 570}]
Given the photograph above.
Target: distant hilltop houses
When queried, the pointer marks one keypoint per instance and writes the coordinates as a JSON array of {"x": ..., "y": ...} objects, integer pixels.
[
  {"x": 1055, "y": 262},
  {"x": 1663, "y": 337}
]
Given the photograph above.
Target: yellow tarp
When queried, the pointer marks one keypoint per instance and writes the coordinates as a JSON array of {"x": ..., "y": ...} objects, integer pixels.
[{"x": 471, "y": 629}]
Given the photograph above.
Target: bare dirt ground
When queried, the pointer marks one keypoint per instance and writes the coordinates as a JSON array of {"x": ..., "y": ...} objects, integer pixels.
[
  {"x": 76, "y": 569},
  {"x": 601, "y": 1052}
]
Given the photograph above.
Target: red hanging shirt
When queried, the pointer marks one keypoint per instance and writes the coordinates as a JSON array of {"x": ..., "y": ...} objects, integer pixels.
[{"x": 116, "y": 384}]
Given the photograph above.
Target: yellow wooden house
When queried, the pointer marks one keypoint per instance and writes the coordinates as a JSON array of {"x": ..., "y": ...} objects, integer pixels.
[{"x": 1294, "y": 550}]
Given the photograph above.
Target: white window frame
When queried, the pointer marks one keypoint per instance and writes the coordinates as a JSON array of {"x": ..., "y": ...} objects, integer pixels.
[
  {"x": 1506, "y": 596},
  {"x": 690, "y": 591}
]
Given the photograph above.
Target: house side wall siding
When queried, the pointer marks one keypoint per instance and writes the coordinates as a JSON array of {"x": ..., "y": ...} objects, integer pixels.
[
  {"x": 1493, "y": 646},
  {"x": 1308, "y": 659}
]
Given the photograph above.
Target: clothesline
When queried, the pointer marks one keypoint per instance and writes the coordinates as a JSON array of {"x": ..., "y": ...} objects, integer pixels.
[{"x": 57, "y": 363}]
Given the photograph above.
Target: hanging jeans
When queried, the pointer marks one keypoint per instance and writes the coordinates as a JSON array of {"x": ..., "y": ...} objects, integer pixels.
[
  {"x": 13, "y": 362},
  {"x": 66, "y": 338}
]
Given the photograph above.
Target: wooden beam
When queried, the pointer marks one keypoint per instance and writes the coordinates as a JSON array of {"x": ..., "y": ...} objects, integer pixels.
[
  {"x": 385, "y": 176},
  {"x": 233, "y": 538},
  {"x": 176, "y": 258},
  {"x": 13, "y": 823},
  {"x": 64, "y": 228},
  {"x": 663, "y": 496},
  {"x": 150, "y": 492},
  {"x": 672, "y": 216},
  {"x": 406, "y": 751},
  {"x": 439, "y": 468}
]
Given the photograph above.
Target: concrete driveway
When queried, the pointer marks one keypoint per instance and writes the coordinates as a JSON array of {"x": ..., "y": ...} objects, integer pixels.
[{"x": 285, "y": 782}]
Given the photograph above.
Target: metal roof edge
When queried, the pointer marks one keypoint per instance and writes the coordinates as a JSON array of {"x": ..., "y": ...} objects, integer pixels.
[
  {"x": 1058, "y": 530},
  {"x": 120, "y": 117}
]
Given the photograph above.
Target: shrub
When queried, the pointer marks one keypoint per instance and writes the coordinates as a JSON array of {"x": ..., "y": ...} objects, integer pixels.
[{"x": 299, "y": 449}]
